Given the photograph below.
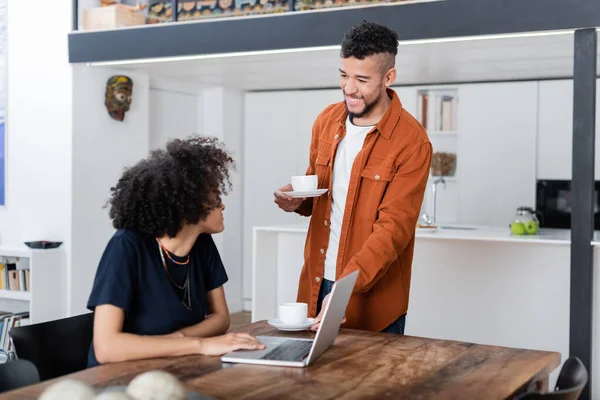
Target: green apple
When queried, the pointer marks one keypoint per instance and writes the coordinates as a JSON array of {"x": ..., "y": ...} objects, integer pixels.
[
  {"x": 531, "y": 227},
  {"x": 517, "y": 228}
]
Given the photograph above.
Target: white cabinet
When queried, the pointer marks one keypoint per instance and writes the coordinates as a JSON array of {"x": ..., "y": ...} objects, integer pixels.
[
  {"x": 45, "y": 298},
  {"x": 555, "y": 138},
  {"x": 497, "y": 150},
  {"x": 172, "y": 115}
]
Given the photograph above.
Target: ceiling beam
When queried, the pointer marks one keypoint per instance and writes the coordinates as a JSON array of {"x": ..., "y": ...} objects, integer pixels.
[{"x": 298, "y": 30}]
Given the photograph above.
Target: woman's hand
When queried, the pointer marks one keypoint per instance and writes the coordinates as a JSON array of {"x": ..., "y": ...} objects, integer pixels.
[
  {"x": 111, "y": 344},
  {"x": 219, "y": 345}
]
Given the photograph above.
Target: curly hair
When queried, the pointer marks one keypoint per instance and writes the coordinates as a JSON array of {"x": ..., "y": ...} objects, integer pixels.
[
  {"x": 172, "y": 187},
  {"x": 367, "y": 39}
]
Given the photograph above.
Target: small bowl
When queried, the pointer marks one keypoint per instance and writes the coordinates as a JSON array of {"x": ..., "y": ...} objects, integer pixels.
[{"x": 43, "y": 244}]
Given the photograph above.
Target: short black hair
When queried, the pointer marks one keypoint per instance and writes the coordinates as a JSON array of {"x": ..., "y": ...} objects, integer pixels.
[
  {"x": 369, "y": 38},
  {"x": 180, "y": 184}
]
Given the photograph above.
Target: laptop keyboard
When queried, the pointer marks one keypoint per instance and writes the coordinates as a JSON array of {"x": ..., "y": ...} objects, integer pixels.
[{"x": 290, "y": 350}]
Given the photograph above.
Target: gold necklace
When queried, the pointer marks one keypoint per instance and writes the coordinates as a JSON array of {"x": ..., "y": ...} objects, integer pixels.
[{"x": 186, "y": 301}]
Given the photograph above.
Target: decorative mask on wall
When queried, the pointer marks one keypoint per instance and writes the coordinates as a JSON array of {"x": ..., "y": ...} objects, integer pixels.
[{"x": 119, "y": 89}]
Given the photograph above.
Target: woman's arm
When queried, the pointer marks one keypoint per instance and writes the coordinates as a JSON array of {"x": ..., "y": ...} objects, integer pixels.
[
  {"x": 111, "y": 344},
  {"x": 217, "y": 322}
]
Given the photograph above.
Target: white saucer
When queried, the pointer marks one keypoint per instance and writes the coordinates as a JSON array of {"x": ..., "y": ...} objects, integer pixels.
[
  {"x": 292, "y": 328},
  {"x": 310, "y": 193}
]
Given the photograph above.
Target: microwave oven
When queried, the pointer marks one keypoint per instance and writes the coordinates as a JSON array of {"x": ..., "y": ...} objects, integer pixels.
[{"x": 553, "y": 204}]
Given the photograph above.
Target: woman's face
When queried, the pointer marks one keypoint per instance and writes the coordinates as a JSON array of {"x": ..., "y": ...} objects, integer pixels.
[{"x": 214, "y": 222}]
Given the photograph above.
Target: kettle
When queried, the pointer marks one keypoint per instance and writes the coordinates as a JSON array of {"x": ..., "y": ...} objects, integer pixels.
[{"x": 525, "y": 222}]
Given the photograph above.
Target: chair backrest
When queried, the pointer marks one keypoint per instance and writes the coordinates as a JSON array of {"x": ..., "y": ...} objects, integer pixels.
[
  {"x": 16, "y": 374},
  {"x": 570, "y": 383},
  {"x": 56, "y": 347}
]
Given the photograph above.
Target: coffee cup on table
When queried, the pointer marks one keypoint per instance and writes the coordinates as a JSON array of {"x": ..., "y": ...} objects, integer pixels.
[
  {"x": 305, "y": 183},
  {"x": 293, "y": 313}
]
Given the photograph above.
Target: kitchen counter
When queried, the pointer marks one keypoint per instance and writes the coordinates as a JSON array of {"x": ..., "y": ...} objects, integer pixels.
[
  {"x": 496, "y": 234},
  {"x": 464, "y": 232}
]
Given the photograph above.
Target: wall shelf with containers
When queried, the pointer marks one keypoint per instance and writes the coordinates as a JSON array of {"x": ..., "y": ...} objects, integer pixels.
[
  {"x": 437, "y": 111},
  {"x": 32, "y": 281}
]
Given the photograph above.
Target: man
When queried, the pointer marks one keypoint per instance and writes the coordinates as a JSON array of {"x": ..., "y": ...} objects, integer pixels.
[{"x": 374, "y": 157}]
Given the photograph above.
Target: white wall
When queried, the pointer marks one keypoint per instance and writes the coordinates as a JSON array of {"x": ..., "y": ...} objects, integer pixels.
[
  {"x": 173, "y": 114},
  {"x": 179, "y": 109},
  {"x": 555, "y": 138},
  {"x": 160, "y": 111},
  {"x": 39, "y": 120},
  {"x": 222, "y": 111},
  {"x": 277, "y": 134},
  {"x": 102, "y": 147},
  {"x": 497, "y": 131},
  {"x": 62, "y": 151}
]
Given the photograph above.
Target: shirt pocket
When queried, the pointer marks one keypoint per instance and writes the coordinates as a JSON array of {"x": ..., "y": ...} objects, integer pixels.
[
  {"x": 322, "y": 168},
  {"x": 375, "y": 179}
]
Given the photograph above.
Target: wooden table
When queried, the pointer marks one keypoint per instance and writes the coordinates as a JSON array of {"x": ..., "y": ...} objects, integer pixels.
[{"x": 361, "y": 364}]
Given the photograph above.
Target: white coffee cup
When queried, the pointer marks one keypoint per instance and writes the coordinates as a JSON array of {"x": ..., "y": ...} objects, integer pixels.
[
  {"x": 305, "y": 183},
  {"x": 293, "y": 313}
]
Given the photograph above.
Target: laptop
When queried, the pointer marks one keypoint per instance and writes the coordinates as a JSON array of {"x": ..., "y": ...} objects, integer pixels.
[{"x": 293, "y": 352}]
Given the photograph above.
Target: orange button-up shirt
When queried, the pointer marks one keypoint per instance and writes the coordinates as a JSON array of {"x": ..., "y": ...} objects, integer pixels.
[{"x": 385, "y": 193}]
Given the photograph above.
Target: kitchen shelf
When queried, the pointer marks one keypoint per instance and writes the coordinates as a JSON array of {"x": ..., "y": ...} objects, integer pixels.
[
  {"x": 437, "y": 111},
  {"x": 15, "y": 295},
  {"x": 45, "y": 300}
]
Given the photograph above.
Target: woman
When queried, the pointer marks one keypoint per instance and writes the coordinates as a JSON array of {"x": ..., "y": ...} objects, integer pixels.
[{"x": 158, "y": 290}]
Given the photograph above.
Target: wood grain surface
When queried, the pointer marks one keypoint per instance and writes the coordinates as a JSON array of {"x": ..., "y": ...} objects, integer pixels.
[{"x": 360, "y": 364}]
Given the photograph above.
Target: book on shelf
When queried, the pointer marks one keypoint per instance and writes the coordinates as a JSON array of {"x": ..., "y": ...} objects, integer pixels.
[
  {"x": 7, "y": 322},
  {"x": 13, "y": 277},
  {"x": 437, "y": 111}
]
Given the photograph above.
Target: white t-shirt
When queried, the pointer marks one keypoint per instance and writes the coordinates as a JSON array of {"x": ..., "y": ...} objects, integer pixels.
[{"x": 346, "y": 152}]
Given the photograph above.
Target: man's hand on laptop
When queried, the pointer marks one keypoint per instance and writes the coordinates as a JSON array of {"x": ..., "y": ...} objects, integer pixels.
[
  {"x": 317, "y": 323},
  {"x": 219, "y": 345}
]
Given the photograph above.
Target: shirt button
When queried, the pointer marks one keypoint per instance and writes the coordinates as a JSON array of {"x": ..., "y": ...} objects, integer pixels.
[
  {"x": 318, "y": 279},
  {"x": 322, "y": 251},
  {"x": 325, "y": 222},
  {"x": 377, "y": 177}
]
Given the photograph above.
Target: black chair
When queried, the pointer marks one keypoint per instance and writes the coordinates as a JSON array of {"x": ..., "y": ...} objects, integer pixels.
[
  {"x": 570, "y": 383},
  {"x": 58, "y": 347},
  {"x": 16, "y": 374}
]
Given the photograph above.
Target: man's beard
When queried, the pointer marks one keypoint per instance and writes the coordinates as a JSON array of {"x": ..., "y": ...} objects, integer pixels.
[{"x": 368, "y": 108}]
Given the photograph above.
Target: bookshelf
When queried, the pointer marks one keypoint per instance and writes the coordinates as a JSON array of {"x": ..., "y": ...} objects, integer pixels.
[
  {"x": 437, "y": 111},
  {"x": 44, "y": 293},
  {"x": 15, "y": 295}
]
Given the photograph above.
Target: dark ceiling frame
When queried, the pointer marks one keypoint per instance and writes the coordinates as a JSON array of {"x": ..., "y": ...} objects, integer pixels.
[{"x": 305, "y": 29}]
